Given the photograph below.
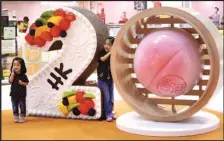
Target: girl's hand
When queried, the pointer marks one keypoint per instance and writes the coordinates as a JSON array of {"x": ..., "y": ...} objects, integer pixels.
[
  {"x": 13, "y": 70},
  {"x": 20, "y": 82}
]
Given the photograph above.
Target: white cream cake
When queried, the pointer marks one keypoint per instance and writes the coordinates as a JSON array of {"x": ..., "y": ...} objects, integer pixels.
[{"x": 78, "y": 50}]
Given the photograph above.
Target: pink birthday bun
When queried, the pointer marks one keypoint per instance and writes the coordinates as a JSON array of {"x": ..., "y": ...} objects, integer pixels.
[{"x": 167, "y": 62}]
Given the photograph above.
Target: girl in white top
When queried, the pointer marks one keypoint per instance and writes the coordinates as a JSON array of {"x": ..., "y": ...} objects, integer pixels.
[{"x": 215, "y": 17}]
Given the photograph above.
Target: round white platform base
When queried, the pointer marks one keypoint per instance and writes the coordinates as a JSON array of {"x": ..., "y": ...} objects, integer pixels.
[{"x": 201, "y": 122}]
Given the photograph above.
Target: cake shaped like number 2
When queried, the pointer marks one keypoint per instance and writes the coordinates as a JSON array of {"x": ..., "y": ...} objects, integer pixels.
[{"x": 50, "y": 91}]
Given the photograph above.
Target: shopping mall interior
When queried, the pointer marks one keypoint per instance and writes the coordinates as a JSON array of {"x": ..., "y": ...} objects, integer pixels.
[{"x": 116, "y": 16}]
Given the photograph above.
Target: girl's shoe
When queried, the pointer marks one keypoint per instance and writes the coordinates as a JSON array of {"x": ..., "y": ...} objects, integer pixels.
[
  {"x": 109, "y": 119},
  {"x": 16, "y": 119},
  {"x": 114, "y": 116},
  {"x": 22, "y": 119}
]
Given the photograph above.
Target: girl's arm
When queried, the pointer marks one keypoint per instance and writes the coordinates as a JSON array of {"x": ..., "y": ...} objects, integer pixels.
[
  {"x": 23, "y": 83},
  {"x": 24, "y": 80},
  {"x": 105, "y": 56},
  {"x": 11, "y": 78}
]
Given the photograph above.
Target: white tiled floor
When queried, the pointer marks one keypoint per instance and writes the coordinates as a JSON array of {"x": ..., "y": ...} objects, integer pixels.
[{"x": 215, "y": 103}]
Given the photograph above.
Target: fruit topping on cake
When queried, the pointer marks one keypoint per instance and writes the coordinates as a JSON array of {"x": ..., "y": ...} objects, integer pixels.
[
  {"x": 77, "y": 102},
  {"x": 51, "y": 24}
]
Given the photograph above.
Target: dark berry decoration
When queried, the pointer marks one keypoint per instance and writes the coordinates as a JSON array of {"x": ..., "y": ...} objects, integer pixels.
[
  {"x": 65, "y": 101},
  {"x": 32, "y": 32},
  {"x": 50, "y": 24},
  {"x": 63, "y": 34},
  {"x": 38, "y": 23},
  {"x": 91, "y": 112},
  {"x": 76, "y": 111}
]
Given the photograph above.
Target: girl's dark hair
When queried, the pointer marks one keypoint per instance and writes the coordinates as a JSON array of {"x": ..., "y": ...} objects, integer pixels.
[
  {"x": 26, "y": 19},
  {"x": 22, "y": 63},
  {"x": 19, "y": 22},
  {"x": 217, "y": 8},
  {"x": 111, "y": 39}
]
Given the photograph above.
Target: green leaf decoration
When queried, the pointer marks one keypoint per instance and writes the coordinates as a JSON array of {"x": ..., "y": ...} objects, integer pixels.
[
  {"x": 72, "y": 106},
  {"x": 89, "y": 95},
  {"x": 68, "y": 93},
  {"x": 44, "y": 22},
  {"x": 47, "y": 14}
]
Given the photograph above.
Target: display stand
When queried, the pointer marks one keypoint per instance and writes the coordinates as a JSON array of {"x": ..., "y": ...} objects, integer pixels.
[
  {"x": 200, "y": 123},
  {"x": 142, "y": 100},
  {"x": 9, "y": 46}
]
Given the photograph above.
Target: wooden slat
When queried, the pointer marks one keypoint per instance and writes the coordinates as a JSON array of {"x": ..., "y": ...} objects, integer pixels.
[
  {"x": 172, "y": 101},
  {"x": 203, "y": 82},
  {"x": 145, "y": 31},
  {"x": 135, "y": 41},
  {"x": 131, "y": 70},
  {"x": 138, "y": 26},
  {"x": 200, "y": 40},
  {"x": 144, "y": 23},
  {"x": 140, "y": 23},
  {"x": 173, "y": 106},
  {"x": 144, "y": 90},
  {"x": 164, "y": 21},
  {"x": 205, "y": 51},
  {"x": 190, "y": 30},
  {"x": 150, "y": 19},
  {"x": 140, "y": 30},
  {"x": 207, "y": 62},
  {"x": 148, "y": 30},
  {"x": 129, "y": 36},
  {"x": 135, "y": 80},
  {"x": 191, "y": 92},
  {"x": 206, "y": 72},
  {"x": 127, "y": 48},
  {"x": 128, "y": 60},
  {"x": 172, "y": 24}
]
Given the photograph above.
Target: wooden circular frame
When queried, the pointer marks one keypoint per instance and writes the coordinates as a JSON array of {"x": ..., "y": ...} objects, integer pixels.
[{"x": 122, "y": 64}]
